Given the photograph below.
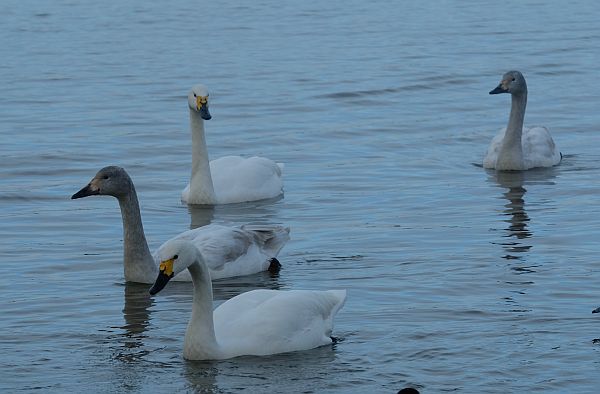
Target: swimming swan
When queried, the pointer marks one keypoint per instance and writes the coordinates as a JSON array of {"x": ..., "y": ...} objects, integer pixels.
[
  {"x": 516, "y": 147},
  {"x": 229, "y": 179},
  {"x": 228, "y": 251},
  {"x": 258, "y": 322}
]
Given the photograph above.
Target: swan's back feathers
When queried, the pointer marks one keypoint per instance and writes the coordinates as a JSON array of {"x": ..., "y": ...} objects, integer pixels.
[
  {"x": 539, "y": 149},
  {"x": 234, "y": 251},
  {"x": 271, "y": 238},
  {"x": 237, "y": 179},
  {"x": 263, "y": 322}
]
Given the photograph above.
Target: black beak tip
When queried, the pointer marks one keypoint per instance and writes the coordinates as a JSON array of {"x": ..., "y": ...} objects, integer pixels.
[
  {"x": 597, "y": 310},
  {"x": 85, "y": 192},
  {"x": 499, "y": 89},
  {"x": 205, "y": 113},
  {"x": 77, "y": 195},
  {"x": 160, "y": 283}
]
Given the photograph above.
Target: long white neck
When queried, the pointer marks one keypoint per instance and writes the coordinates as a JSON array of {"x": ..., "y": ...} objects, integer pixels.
[
  {"x": 510, "y": 156},
  {"x": 138, "y": 264},
  {"x": 201, "y": 185},
  {"x": 200, "y": 341}
]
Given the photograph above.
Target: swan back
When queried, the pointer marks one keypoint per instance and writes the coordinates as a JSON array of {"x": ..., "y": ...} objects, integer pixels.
[
  {"x": 234, "y": 251},
  {"x": 238, "y": 179},
  {"x": 262, "y": 322}
]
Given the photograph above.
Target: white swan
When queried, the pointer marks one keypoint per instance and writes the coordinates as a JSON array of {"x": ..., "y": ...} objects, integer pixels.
[
  {"x": 516, "y": 147},
  {"x": 228, "y": 251},
  {"x": 229, "y": 179},
  {"x": 258, "y": 322}
]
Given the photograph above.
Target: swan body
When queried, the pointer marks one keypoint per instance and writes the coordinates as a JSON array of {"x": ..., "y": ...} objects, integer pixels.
[
  {"x": 258, "y": 322},
  {"x": 517, "y": 147},
  {"x": 228, "y": 251},
  {"x": 230, "y": 179}
]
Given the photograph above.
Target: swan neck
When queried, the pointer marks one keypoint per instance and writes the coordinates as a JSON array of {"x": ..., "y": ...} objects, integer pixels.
[
  {"x": 200, "y": 340},
  {"x": 201, "y": 185},
  {"x": 138, "y": 263},
  {"x": 514, "y": 130}
]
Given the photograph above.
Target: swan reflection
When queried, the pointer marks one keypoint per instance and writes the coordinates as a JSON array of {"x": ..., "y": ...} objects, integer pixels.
[
  {"x": 517, "y": 231},
  {"x": 257, "y": 212},
  {"x": 136, "y": 313}
]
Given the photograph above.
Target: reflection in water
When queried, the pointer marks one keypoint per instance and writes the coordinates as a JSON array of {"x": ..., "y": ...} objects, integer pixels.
[
  {"x": 263, "y": 211},
  {"x": 136, "y": 313},
  {"x": 201, "y": 376},
  {"x": 201, "y": 215},
  {"x": 136, "y": 310},
  {"x": 517, "y": 231},
  {"x": 249, "y": 373}
]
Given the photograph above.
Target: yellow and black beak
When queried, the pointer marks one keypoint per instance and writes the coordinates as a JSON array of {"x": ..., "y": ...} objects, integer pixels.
[
  {"x": 202, "y": 107},
  {"x": 85, "y": 192},
  {"x": 165, "y": 274}
]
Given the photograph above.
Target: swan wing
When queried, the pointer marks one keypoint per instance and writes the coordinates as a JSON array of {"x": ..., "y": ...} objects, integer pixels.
[
  {"x": 238, "y": 179},
  {"x": 234, "y": 251},
  {"x": 489, "y": 160},
  {"x": 539, "y": 149},
  {"x": 262, "y": 322}
]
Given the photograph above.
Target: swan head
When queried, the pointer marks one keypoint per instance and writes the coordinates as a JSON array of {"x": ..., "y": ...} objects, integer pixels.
[
  {"x": 198, "y": 101},
  {"x": 175, "y": 256},
  {"x": 111, "y": 181},
  {"x": 512, "y": 82}
]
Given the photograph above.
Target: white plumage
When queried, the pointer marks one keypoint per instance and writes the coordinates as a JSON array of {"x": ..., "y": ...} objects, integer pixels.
[
  {"x": 517, "y": 147},
  {"x": 229, "y": 179},
  {"x": 539, "y": 150},
  {"x": 258, "y": 322}
]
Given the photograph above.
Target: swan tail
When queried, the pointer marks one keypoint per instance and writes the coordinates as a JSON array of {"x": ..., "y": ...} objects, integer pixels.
[
  {"x": 274, "y": 265},
  {"x": 271, "y": 238}
]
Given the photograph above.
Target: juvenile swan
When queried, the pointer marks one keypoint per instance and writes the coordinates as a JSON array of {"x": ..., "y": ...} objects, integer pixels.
[
  {"x": 259, "y": 322},
  {"x": 516, "y": 147},
  {"x": 229, "y": 179},
  {"x": 228, "y": 251}
]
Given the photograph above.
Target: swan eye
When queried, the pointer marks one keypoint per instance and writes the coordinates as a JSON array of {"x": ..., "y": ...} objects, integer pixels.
[
  {"x": 105, "y": 177},
  {"x": 513, "y": 79},
  {"x": 175, "y": 257},
  {"x": 195, "y": 95}
]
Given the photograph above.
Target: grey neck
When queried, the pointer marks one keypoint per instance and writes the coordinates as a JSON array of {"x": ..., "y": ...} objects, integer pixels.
[
  {"x": 138, "y": 263},
  {"x": 514, "y": 130}
]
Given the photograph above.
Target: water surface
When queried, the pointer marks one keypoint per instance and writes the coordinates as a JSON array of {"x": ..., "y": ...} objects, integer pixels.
[{"x": 459, "y": 278}]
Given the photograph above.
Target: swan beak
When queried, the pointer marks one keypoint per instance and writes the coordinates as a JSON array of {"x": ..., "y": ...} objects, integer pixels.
[
  {"x": 202, "y": 107},
  {"x": 165, "y": 274},
  {"x": 85, "y": 192},
  {"x": 597, "y": 310},
  {"x": 499, "y": 89}
]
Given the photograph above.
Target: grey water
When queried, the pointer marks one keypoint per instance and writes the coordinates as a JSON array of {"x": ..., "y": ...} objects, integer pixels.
[{"x": 459, "y": 279}]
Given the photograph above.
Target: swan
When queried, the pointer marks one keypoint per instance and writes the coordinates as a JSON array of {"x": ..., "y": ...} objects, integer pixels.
[
  {"x": 258, "y": 322},
  {"x": 228, "y": 251},
  {"x": 229, "y": 179},
  {"x": 516, "y": 147}
]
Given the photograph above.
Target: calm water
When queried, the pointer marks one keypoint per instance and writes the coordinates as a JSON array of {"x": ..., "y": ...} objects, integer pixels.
[{"x": 459, "y": 279}]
